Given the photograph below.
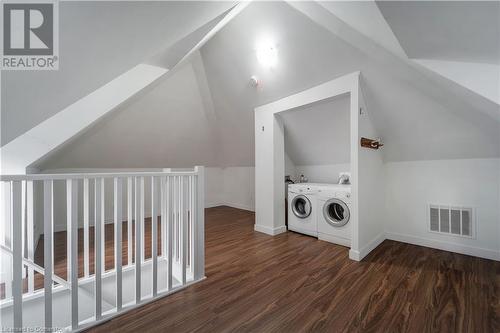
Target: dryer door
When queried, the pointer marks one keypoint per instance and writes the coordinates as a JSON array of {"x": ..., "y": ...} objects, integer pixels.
[
  {"x": 301, "y": 206},
  {"x": 336, "y": 212}
]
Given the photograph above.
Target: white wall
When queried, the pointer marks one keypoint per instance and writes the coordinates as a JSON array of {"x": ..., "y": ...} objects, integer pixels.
[
  {"x": 370, "y": 186},
  {"x": 405, "y": 189},
  {"x": 239, "y": 187},
  {"x": 290, "y": 168},
  {"x": 322, "y": 173},
  {"x": 214, "y": 187},
  {"x": 411, "y": 186},
  {"x": 231, "y": 186},
  {"x": 397, "y": 194},
  {"x": 318, "y": 134}
]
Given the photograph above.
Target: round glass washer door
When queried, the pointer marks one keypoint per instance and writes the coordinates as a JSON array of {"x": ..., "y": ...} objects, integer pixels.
[
  {"x": 336, "y": 212},
  {"x": 301, "y": 206}
]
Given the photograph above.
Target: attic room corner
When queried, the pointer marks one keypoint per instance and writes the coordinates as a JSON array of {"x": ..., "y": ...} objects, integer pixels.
[{"x": 254, "y": 166}]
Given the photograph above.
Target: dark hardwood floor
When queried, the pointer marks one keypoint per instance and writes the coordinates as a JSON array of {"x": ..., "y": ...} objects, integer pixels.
[
  {"x": 294, "y": 283},
  {"x": 60, "y": 249}
]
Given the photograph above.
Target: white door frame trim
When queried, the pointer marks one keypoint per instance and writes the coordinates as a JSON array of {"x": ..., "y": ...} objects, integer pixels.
[{"x": 270, "y": 159}]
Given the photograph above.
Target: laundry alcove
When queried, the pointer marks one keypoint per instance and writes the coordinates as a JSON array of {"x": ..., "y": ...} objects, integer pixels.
[{"x": 366, "y": 166}]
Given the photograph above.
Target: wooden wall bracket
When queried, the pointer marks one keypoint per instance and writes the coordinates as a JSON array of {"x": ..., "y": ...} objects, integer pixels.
[{"x": 370, "y": 143}]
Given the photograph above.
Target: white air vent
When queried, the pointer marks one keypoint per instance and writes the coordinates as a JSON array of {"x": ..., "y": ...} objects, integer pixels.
[{"x": 451, "y": 220}]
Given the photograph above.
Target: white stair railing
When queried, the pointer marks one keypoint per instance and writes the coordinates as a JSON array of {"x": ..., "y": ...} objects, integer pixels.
[{"x": 172, "y": 211}]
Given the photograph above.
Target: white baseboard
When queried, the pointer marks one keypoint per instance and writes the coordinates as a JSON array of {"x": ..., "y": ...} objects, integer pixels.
[
  {"x": 446, "y": 246},
  {"x": 268, "y": 230},
  {"x": 231, "y": 204},
  {"x": 334, "y": 239},
  {"x": 240, "y": 206},
  {"x": 213, "y": 204},
  {"x": 359, "y": 255},
  {"x": 354, "y": 255}
]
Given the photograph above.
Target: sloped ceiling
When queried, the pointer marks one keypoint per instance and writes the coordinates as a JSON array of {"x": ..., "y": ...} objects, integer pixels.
[
  {"x": 365, "y": 17},
  {"x": 484, "y": 79},
  {"x": 459, "y": 40},
  {"x": 169, "y": 126},
  {"x": 120, "y": 35},
  {"x": 417, "y": 116},
  {"x": 319, "y": 134},
  {"x": 415, "y": 124},
  {"x": 465, "y": 31}
]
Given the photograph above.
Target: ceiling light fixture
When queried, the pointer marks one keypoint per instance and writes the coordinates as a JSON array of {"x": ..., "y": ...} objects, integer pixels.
[{"x": 267, "y": 54}]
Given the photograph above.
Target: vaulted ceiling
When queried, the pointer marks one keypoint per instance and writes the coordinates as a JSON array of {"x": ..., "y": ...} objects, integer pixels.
[
  {"x": 98, "y": 40},
  {"x": 419, "y": 114},
  {"x": 465, "y": 31},
  {"x": 422, "y": 108}
]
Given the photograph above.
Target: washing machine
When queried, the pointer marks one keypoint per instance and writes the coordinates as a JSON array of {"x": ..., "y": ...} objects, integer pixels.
[
  {"x": 302, "y": 206},
  {"x": 334, "y": 214}
]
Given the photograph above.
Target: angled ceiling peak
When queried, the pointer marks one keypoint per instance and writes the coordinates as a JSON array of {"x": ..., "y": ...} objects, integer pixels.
[
  {"x": 446, "y": 92},
  {"x": 41, "y": 141}
]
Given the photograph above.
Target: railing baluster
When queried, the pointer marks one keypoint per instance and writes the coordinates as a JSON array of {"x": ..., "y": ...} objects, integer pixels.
[
  {"x": 169, "y": 231},
  {"x": 164, "y": 213},
  {"x": 154, "y": 234},
  {"x": 103, "y": 225},
  {"x": 139, "y": 207},
  {"x": 48, "y": 223},
  {"x": 191, "y": 224},
  {"x": 175, "y": 207},
  {"x": 17, "y": 251},
  {"x": 30, "y": 233},
  {"x": 129, "y": 220},
  {"x": 72, "y": 255},
  {"x": 142, "y": 223},
  {"x": 86, "y": 227},
  {"x": 68, "y": 229},
  {"x": 99, "y": 186},
  {"x": 199, "y": 265},
  {"x": 183, "y": 229},
  {"x": 179, "y": 219},
  {"x": 162, "y": 216},
  {"x": 118, "y": 240},
  {"x": 177, "y": 197},
  {"x": 24, "y": 221}
]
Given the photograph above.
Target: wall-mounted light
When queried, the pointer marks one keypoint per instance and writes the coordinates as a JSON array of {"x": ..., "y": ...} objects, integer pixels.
[{"x": 267, "y": 54}]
